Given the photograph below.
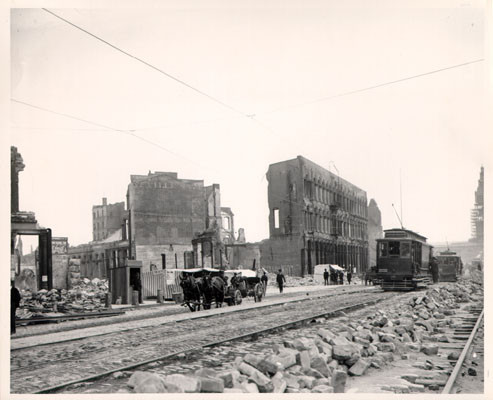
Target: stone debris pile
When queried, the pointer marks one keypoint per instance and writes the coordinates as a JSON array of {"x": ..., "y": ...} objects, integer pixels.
[
  {"x": 323, "y": 358},
  {"x": 86, "y": 296}
]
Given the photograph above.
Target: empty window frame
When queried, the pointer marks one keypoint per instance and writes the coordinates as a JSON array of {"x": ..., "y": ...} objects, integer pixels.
[{"x": 276, "y": 218}]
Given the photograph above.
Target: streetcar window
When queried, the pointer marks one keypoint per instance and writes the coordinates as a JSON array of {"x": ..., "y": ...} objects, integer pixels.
[
  {"x": 383, "y": 249},
  {"x": 405, "y": 249},
  {"x": 394, "y": 248}
]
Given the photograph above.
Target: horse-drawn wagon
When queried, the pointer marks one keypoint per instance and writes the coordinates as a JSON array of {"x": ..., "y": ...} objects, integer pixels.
[
  {"x": 203, "y": 287},
  {"x": 246, "y": 282}
]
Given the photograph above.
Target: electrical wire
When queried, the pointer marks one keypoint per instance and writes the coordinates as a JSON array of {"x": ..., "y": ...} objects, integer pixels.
[
  {"x": 322, "y": 99},
  {"x": 106, "y": 127}
]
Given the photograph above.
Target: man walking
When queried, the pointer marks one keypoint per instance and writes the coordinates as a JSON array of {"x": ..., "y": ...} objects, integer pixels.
[
  {"x": 280, "y": 280},
  {"x": 15, "y": 299},
  {"x": 349, "y": 276},
  {"x": 326, "y": 277},
  {"x": 264, "y": 279}
]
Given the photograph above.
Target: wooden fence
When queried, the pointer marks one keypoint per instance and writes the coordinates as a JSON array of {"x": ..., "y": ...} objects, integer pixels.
[{"x": 165, "y": 279}]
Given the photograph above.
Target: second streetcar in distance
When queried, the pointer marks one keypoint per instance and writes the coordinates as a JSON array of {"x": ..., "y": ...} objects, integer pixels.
[
  {"x": 403, "y": 260},
  {"x": 449, "y": 266}
]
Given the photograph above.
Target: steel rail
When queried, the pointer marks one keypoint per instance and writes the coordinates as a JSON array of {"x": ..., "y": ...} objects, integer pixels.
[
  {"x": 210, "y": 344},
  {"x": 458, "y": 366},
  {"x": 68, "y": 317},
  {"x": 258, "y": 305}
]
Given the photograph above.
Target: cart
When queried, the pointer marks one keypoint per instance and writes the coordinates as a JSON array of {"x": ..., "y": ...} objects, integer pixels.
[{"x": 248, "y": 285}]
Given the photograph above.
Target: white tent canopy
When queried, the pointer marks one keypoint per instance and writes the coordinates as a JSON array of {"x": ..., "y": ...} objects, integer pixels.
[{"x": 333, "y": 266}]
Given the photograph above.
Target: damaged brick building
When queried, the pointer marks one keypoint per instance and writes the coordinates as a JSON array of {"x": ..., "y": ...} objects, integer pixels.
[
  {"x": 315, "y": 217},
  {"x": 169, "y": 223}
]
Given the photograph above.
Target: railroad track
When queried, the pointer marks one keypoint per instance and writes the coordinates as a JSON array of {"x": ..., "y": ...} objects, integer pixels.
[
  {"x": 470, "y": 326},
  {"x": 62, "y": 364}
]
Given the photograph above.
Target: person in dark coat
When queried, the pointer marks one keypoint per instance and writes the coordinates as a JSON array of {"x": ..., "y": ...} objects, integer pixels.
[
  {"x": 15, "y": 300},
  {"x": 264, "y": 279},
  {"x": 326, "y": 277},
  {"x": 137, "y": 285},
  {"x": 333, "y": 277},
  {"x": 280, "y": 280},
  {"x": 349, "y": 275},
  {"x": 434, "y": 269},
  {"x": 341, "y": 277}
]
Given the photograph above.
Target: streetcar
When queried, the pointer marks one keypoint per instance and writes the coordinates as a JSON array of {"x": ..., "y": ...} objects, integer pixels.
[
  {"x": 449, "y": 266},
  {"x": 403, "y": 260}
]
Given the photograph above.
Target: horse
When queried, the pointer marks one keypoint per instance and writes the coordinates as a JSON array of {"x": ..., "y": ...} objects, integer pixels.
[
  {"x": 213, "y": 288},
  {"x": 191, "y": 291}
]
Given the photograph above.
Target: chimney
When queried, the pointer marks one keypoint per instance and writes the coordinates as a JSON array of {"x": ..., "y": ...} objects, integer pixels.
[{"x": 104, "y": 201}]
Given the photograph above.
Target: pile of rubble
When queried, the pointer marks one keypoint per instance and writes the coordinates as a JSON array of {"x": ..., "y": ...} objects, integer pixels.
[
  {"x": 85, "y": 296},
  {"x": 321, "y": 360}
]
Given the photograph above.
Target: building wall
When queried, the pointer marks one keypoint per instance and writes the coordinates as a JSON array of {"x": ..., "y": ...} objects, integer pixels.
[
  {"x": 59, "y": 251},
  {"x": 375, "y": 230},
  {"x": 326, "y": 214},
  {"x": 282, "y": 252},
  {"x": 107, "y": 219},
  {"x": 97, "y": 257},
  {"x": 227, "y": 225},
  {"x": 243, "y": 255},
  {"x": 165, "y": 209},
  {"x": 152, "y": 255}
]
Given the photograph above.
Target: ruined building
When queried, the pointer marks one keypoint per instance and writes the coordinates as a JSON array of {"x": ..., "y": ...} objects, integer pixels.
[
  {"x": 165, "y": 214},
  {"x": 477, "y": 213},
  {"x": 375, "y": 230},
  {"x": 315, "y": 217},
  {"x": 107, "y": 219}
]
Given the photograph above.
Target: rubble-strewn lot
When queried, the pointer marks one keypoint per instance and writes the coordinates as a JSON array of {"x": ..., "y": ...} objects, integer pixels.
[
  {"x": 322, "y": 359},
  {"x": 85, "y": 296}
]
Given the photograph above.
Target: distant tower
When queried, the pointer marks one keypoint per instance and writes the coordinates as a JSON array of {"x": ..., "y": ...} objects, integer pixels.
[
  {"x": 375, "y": 230},
  {"x": 477, "y": 213}
]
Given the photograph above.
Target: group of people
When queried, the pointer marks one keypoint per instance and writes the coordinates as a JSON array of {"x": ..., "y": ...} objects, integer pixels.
[{"x": 336, "y": 277}]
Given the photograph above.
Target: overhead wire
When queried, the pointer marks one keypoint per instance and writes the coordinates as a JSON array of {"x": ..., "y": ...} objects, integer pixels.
[
  {"x": 106, "y": 127},
  {"x": 322, "y": 99}
]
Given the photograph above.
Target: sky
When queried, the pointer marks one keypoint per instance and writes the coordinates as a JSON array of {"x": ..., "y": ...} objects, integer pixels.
[{"x": 231, "y": 87}]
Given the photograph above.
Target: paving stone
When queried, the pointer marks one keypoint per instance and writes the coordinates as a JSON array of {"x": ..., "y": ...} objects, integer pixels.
[
  {"x": 249, "y": 387},
  {"x": 326, "y": 334},
  {"x": 229, "y": 377},
  {"x": 454, "y": 355},
  {"x": 314, "y": 373},
  {"x": 270, "y": 366},
  {"x": 279, "y": 384},
  {"x": 319, "y": 364},
  {"x": 211, "y": 385},
  {"x": 342, "y": 352},
  {"x": 152, "y": 384},
  {"x": 188, "y": 384},
  {"x": 355, "y": 356},
  {"x": 359, "y": 368},
  {"x": 386, "y": 346},
  {"x": 304, "y": 359},
  {"x": 302, "y": 344},
  {"x": 339, "y": 381},
  {"x": 252, "y": 360},
  {"x": 429, "y": 350},
  {"x": 138, "y": 377},
  {"x": 306, "y": 381},
  {"x": 410, "y": 377},
  {"x": 291, "y": 380},
  {"x": 206, "y": 372},
  {"x": 415, "y": 388},
  {"x": 323, "y": 389}
]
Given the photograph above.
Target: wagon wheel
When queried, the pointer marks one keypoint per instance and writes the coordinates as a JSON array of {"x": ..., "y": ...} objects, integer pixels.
[
  {"x": 237, "y": 298},
  {"x": 258, "y": 291}
]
